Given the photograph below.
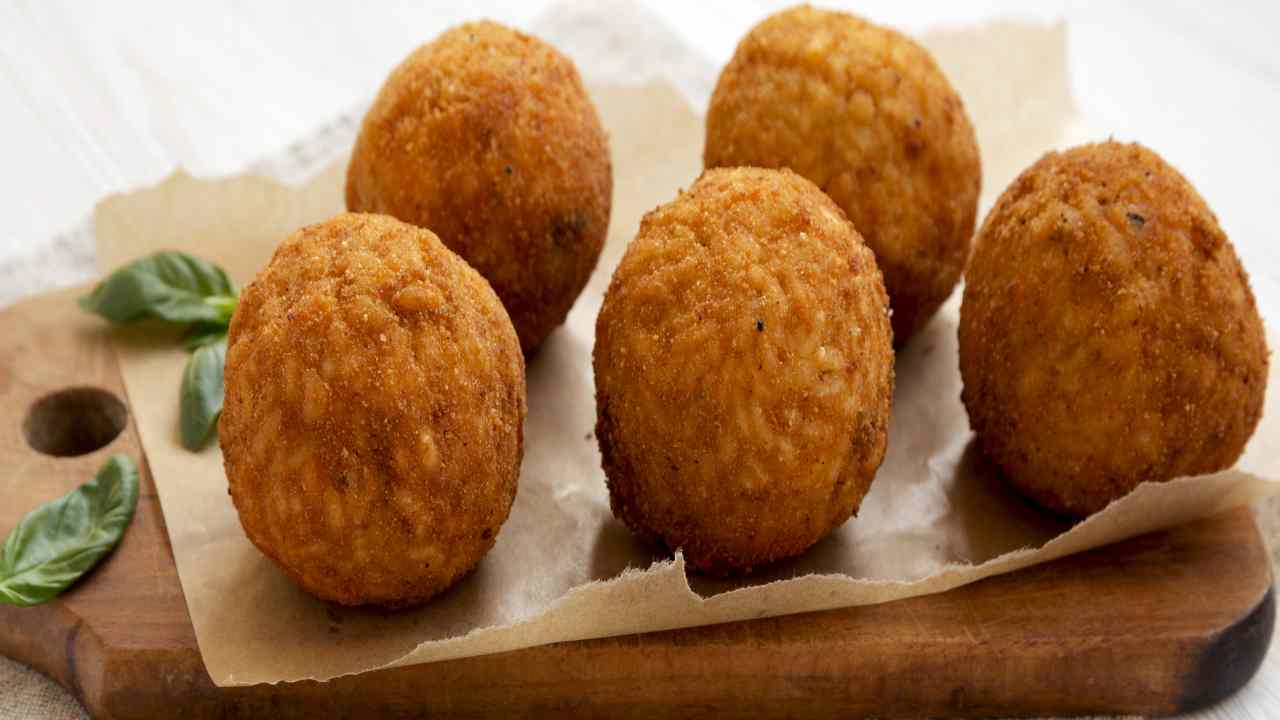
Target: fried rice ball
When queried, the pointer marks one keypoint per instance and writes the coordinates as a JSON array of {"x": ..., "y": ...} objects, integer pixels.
[
  {"x": 865, "y": 113},
  {"x": 487, "y": 137},
  {"x": 1108, "y": 335},
  {"x": 372, "y": 428},
  {"x": 744, "y": 371}
]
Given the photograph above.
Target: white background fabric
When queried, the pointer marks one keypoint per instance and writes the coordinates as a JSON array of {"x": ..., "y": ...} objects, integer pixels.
[{"x": 101, "y": 98}]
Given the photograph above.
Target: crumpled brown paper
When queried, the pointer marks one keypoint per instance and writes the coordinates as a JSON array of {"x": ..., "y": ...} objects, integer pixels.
[{"x": 937, "y": 516}]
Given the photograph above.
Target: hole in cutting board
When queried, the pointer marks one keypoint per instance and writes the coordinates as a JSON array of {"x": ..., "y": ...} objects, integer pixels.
[{"x": 75, "y": 421}]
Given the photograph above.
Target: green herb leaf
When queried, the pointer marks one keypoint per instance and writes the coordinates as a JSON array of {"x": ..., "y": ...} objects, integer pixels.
[
  {"x": 62, "y": 539},
  {"x": 168, "y": 285},
  {"x": 202, "y": 393},
  {"x": 203, "y": 334}
]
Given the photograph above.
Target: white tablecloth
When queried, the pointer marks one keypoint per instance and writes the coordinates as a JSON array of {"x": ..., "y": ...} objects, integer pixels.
[{"x": 99, "y": 98}]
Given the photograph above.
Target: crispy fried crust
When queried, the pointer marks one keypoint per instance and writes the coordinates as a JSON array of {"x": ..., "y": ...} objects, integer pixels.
[
  {"x": 744, "y": 371},
  {"x": 1108, "y": 335},
  {"x": 865, "y": 113},
  {"x": 487, "y": 137},
  {"x": 374, "y": 400}
]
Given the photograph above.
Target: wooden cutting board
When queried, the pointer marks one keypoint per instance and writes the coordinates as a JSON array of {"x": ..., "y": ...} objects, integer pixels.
[{"x": 1156, "y": 625}]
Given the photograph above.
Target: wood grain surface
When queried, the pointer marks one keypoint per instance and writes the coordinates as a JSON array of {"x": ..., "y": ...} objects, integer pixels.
[{"x": 1155, "y": 625}]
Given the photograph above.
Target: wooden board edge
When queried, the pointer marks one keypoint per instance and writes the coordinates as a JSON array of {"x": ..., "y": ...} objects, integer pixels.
[
  {"x": 1232, "y": 658},
  {"x": 65, "y": 649}
]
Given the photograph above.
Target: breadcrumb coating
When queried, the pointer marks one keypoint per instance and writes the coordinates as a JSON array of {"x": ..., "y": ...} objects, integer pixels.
[
  {"x": 865, "y": 113},
  {"x": 487, "y": 137},
  {"x": 372, "y": 427},
  {"x": 1108, "y": 335},
  {"x": 744, "y": 371}
]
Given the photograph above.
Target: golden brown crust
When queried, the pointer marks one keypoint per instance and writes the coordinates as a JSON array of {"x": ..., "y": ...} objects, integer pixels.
[
  {"x": 865, "y": 113},
  {"x": 1108, "y": 335},
  {"x": 487, "y": 137},
  {"x": 744, "y": 371},
  {"x": 372, "y": 427}
]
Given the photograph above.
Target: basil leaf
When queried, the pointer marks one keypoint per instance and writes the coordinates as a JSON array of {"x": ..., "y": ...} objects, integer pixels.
[
  {"x": 168, "y": 285},
  {"x": 203, "y": 334},
  {"x": 201, "y": 399},
  {"x": 62, "y": 539}
]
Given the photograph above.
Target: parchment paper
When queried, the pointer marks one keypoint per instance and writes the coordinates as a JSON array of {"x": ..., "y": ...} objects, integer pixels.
[{"x": 563, "y": 568}]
